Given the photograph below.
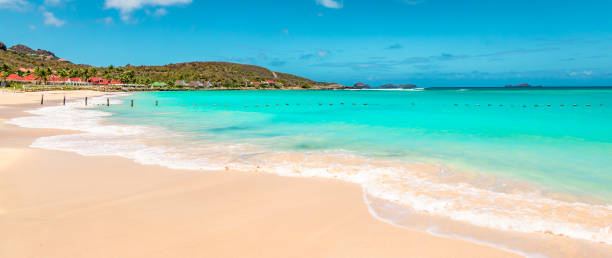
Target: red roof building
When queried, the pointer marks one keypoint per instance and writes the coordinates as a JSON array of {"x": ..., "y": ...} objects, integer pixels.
[
  {"x": 113, "y": 81},
  {"x": 14, "y": 77},
  {"x": 30, "y": 78},
  {"x": 55, "y": 78}
]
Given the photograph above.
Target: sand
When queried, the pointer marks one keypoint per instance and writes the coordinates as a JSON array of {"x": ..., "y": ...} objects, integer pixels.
[{"x": 59, "y": 204}]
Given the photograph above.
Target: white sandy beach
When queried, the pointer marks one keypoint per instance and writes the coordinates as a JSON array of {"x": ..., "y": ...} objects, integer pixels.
[{"x": 58, "y": 204}]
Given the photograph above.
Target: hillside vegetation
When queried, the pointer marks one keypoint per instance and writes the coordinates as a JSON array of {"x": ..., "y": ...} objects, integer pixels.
[{"x": 220, "y": 74}]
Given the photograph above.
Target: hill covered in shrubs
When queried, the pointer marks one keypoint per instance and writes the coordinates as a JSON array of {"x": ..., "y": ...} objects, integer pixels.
[{"x": 219, "y": 74}]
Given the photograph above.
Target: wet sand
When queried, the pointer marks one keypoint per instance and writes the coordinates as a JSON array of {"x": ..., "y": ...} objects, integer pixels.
[{"x": 59, "y": 204}]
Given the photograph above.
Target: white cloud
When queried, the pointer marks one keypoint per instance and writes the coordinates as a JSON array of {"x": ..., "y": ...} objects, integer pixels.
[
  {"x": 160, "y": 12},
  {"x": 126, "y": 7},
  {"x": 13, "y": 4},
  {"x": 322, "y": 53},
  {"x": 330, "y": 3},
  {"x": 51, "y": 20},
  {"x": 412, "y": 2},
  {"x": 106, "y": 21},
  {"x": 52, "y": 2}
]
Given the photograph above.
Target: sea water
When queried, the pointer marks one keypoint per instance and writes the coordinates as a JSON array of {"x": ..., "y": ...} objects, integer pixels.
[{"x": 530, "y": 161}]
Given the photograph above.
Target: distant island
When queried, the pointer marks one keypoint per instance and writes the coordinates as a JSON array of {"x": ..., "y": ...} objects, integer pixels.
[
  {"x": 361, "y": 85},
  {"x": 393, "y": 86},
  {"x": 21, "y": 65},
  {"x": 522, "y": 85}
]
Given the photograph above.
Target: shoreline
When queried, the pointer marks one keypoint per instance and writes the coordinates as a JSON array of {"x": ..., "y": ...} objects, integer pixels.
[{"x": 71, "y": 205}]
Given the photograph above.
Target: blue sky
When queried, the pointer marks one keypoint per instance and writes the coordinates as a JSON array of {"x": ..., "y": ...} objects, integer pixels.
[{"x": 426, "y": 42}]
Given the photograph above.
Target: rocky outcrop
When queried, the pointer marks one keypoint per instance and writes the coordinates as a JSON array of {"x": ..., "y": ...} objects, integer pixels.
[
  {"x": 2, "y": 46},
  {"x": 23, "y": 49},
  {"x": 522, "y": 85},
  {"x": 42, "y": 52},
  {"x": 361, "y": 85}
]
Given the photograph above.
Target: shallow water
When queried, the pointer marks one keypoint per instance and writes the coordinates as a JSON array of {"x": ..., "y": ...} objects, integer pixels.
[
  {"x": 565, "y": 148},
  {"x": 496, "y": 159}
]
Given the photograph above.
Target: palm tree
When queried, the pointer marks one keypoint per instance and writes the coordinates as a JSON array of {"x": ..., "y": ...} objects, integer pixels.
[
  {"x": 63, "y": 73},
  {"x": 42, "y": 73}
]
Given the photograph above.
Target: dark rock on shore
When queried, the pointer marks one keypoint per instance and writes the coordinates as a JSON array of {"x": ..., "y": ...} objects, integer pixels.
[{"x": 2, "y": 46}]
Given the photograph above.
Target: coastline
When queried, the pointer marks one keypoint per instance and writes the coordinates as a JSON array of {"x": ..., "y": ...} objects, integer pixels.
[{"x": 70, "y": 205}]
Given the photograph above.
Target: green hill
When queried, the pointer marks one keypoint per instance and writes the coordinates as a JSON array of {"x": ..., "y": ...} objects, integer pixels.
[{"x": 220, "y": 74}]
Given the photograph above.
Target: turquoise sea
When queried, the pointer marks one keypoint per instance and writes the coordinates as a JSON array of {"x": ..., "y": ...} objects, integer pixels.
[{"x": 565, "y": 147}]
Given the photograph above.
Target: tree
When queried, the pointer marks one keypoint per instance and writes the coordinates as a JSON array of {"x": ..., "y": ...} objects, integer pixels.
[
  {"x": 91, "y": 72},
  {"x": 63, "y": 73},
  {"x": 42, "y": 73},
  {"x": 128, "y": 76},
  {"x": 6, "y": 69}
]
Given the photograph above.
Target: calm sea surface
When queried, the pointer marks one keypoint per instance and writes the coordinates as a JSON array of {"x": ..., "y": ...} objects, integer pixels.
[{"x": 551, "y": 138}]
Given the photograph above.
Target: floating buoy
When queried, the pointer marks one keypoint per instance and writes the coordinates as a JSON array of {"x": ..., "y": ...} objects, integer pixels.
[
  {"x": 501, "y": 105},
  {"x": 588, "y": 105},
  {"x": 341, "y": 103},
  {"x": 267, "y": 105},
  {"x": 478, "y": 105},
  {"x": 548, "y": 105},
  {"x": 195, "y": 105},
  {"x": 456, "y": 105},
  {"x": 331, "y": 104},
  {"x": 563, "y": 105},
  {"x": 524, "y": 106},
  {"x": 365, "y": 104},
  {"x": 320, "y": 104},
  {"x": 536, "y": 105},
  {"x": 490, "y": 105},
  {"x": 575, "y": 105}
]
